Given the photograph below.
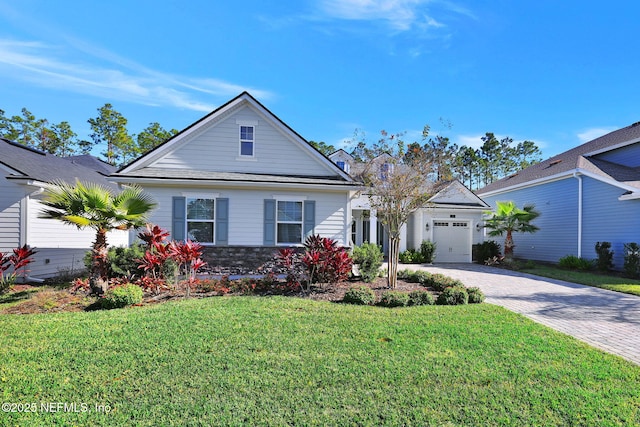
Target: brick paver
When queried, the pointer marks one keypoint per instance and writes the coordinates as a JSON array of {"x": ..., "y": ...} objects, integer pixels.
[{"x": 604, "y": 319}]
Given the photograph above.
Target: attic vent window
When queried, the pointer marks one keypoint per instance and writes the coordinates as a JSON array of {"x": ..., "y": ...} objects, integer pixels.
[{"x": 555, "y": 162}]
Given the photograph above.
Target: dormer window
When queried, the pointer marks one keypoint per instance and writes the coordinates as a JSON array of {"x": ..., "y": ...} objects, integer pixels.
[
  {"x": 247, "y": 141},
  {"x": 343, "y": 165},
  {"x": 385, "y": 170}
]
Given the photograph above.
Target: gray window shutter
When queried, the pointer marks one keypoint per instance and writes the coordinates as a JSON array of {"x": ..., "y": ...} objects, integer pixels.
[
  {"x": 309, "y": 218},
  {"x": 269, "y": 222},
  {"x": 179, "y": 218},
  {"x": 222, "y": 221}
]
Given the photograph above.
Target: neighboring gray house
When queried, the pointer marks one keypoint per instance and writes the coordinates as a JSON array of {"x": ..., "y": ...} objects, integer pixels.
[
  {"x": 452, "y": 218},
  {"x": 24, "y": 173},
  {"x": 588, "y": 194},
  {"x": 243, "y": 183}
]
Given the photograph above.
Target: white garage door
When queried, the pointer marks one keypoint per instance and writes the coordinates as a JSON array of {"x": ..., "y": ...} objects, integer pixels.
[{"x": 453, "y": 241}]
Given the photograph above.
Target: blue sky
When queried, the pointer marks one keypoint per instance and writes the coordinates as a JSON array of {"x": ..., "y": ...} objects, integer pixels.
[{"x": 555, "y": 72}]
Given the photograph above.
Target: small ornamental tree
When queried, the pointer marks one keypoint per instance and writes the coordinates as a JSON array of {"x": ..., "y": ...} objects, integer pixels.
[
  {"x": 508, "y": 218},
  {"x": 396, "y": 185},
  {"x": 90, "y": 205}
]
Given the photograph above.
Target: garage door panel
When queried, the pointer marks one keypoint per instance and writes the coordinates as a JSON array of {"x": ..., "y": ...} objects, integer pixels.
[{"x": 453, "y": 241}]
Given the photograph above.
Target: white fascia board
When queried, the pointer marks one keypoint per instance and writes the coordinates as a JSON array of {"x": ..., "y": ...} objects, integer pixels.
[
  {"x": 229, "y": 184},
  {"x": 611, "y": 148},
  {"x": 564, "y": 175},
  {"x": 556, "y": 177}
]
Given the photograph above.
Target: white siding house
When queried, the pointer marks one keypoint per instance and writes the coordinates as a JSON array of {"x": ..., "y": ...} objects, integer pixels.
[
  {"x": 24, "y": 172},
  {"x": 452, "y": 219},
  {"x": 241, "y": 177}
]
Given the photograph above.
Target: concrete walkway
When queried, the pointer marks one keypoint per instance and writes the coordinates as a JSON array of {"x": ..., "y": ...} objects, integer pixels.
[{"x": 604, "y": 319}]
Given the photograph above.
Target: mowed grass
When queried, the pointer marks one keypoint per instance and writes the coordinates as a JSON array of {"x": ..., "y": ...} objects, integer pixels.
[
  {"x": 590, "y": 278},
  {"x": 290, "y": 361}
]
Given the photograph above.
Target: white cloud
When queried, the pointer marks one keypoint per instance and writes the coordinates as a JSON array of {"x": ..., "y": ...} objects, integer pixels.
[
  {"x": 104, "y": 74},
  {"x": 398, "y": 15},
  {"x": 593, "y": 133},
  {"x": 473, "y": 141}
]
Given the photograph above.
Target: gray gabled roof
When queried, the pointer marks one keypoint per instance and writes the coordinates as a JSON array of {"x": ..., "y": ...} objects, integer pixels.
[
  {"x": 578, "y": 158},
  {"x": 30, "y": 164}
]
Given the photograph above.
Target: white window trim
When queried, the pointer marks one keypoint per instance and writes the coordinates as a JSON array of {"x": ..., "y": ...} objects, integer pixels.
[
  {"x": 210, "y": 196},
  {"x": 252, "y": 125},
  {"x": 300, "y": 200}
]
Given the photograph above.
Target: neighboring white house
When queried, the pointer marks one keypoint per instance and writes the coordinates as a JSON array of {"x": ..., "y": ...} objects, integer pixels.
[
  {"x": 242, "y": 179},
  {"x": 452, "y": 218},
  {"x": 24, "y": 173}
]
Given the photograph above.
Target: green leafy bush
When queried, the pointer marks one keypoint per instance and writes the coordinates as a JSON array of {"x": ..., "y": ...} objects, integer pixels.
[
  {"x": 411, "y": 256},
  {"x": 487, "y": 250},
  {"x": 416, "y": 276},
  {"x": 632, "y": 259},
  {"x": 369, "y": 256},
  {"x": 361, "y": 295},
  {"x": 605, "y": 256},
  {"x": 122, "y": 296},
  {"x": 420, "y": 297},
  {"x": 428, "y": 251},
  {"x": 454, "y": 295},
  {"x": 476, "y": 296},
  {"x": 394, "y": 299},
  {"x": 440, "y": 282},
  {"x": 573, "y": 262}
]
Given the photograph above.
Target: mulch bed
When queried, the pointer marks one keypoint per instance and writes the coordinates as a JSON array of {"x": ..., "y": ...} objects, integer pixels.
[{"x": 49, "y": 300}]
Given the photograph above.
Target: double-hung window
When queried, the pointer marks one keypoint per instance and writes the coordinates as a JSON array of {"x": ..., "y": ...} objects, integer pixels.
[
  {"x": 289, "y": 222},
  {"x": 247, "y": 141},
  {"x": 201, "y": 220}
]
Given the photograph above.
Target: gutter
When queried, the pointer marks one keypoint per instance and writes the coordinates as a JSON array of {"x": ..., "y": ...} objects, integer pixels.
[{"x": 577, "y": 176}]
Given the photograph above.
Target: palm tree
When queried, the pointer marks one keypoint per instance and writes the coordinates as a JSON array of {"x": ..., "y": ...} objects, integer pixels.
[
  {"x": 98, "y": 207},
  {"x": 509, "y": 219}
]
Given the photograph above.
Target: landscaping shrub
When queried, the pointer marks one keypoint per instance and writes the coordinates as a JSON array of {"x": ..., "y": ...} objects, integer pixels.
[
  {"x": 476, "y": 296},
  {"x": 18, "y": 261},
  {"x": 369, "y": 256},
  {"x": 454, "y": 295},
  {"x": 394, "y": 299},
  {"x": 487, "y": 250},
  {"x": 123, "y": 261},
  {"x": 411, "y": 256},
  {"x": 573, "y": 262},
  {"x": 122, "y": 296},
  {"x": 440, "y": 282},
  {"x": 326, "y": 262},
  {"x": 428, "y": 251},
  {"x": 414, "y": 276},
  {"x": 420, "y": 297},
  {"x": 362, "y": 295},
  {"x": 632, "y": 259},
  {"x": 605, "y": 256}
]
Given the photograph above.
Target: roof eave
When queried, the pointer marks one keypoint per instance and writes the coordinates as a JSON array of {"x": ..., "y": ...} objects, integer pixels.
[{"x": 338, "y": 186}]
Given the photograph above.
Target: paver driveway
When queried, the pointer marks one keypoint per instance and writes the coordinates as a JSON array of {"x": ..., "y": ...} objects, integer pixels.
[{"x": 604, "y": 319}]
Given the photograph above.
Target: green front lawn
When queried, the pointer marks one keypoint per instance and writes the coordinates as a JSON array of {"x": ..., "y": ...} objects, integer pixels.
[
  {"x": 590, "y": 278},
  {"x": 290, "y": 361}
]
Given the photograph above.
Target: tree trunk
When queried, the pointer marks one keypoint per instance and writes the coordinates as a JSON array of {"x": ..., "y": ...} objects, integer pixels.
[
  {"x": 508, "y": 245},
  {"x": 394, "y": 252},
  {"x": 99, "y": 271}
]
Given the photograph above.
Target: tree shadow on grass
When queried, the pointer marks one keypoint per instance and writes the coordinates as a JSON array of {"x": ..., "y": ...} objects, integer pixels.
[{"x": 15, "y": 297}]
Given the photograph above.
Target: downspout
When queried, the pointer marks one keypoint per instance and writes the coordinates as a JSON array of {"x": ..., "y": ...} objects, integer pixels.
[
  {"x": 24, "y": 223},
  {"x": 579, "y": 178}
]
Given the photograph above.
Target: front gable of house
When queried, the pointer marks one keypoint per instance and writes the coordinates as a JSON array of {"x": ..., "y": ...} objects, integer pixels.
[
  {"x": 456, "y": 194},
  {"x": 240, "y": 137}
]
